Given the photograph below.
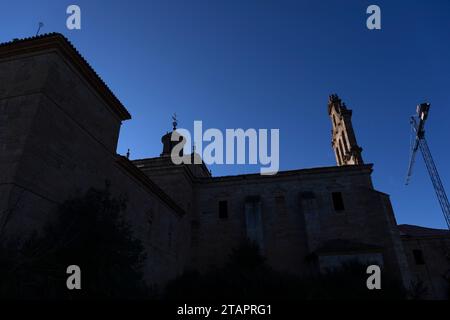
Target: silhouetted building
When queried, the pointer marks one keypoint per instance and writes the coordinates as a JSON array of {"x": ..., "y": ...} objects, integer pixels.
[
  {"x": 59, "y": 127},
  {"x": 428, "y": 253}
]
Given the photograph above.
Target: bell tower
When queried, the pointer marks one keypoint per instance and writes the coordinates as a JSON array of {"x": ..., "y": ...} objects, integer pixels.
[{"x": 343, "y": 140}]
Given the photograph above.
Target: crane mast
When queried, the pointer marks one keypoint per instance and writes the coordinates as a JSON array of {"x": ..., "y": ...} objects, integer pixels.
[{"x": 421, "y": 143}]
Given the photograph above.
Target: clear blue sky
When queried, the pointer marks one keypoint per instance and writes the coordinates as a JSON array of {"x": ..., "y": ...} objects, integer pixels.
[{"x": 272, "y": 64}]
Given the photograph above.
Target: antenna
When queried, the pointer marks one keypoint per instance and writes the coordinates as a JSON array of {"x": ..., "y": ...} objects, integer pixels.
[{"x": 40, "y": 25}]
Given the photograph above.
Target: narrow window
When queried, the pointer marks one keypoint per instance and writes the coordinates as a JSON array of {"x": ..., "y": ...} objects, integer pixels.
[
  {"x": 339, "y": 155},
  {"x": 338, "y": 202},
  {"x": 343, "y": 153},
  {"x": 223, "y": 209},
  {"x": 344, "y": 139},
  {"x": 418, "y": 256}
]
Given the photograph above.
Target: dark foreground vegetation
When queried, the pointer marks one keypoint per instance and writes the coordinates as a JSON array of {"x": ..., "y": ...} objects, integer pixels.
[
  {"x": 90, "y": 231},
  {"x": 246, "y": 277}
]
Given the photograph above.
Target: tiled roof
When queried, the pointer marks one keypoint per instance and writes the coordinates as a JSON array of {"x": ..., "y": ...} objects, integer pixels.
[
  {"x": 408, "y": 230},
  {"x": 58, "y": 41}
]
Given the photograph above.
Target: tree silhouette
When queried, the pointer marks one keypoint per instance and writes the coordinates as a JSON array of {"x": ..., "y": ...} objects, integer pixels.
[{"x": 89, "y": 231}]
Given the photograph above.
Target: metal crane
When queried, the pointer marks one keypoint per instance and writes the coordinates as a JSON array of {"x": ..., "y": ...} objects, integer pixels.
[{"x": 418, "y": 133}]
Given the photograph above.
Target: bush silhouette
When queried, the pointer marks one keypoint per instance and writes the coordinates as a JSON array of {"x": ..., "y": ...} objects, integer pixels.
[{"x": 246, "y": 277}]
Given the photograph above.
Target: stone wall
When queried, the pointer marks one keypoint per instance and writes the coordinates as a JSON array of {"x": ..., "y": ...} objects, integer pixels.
[
  {"x": 58, "y": 138},
  {"x": 298, "y": 216},
  {"x": 434, "y": 269}
]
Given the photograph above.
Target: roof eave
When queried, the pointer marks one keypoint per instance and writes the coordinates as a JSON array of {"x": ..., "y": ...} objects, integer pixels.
[{"x": 63, "y": 45}]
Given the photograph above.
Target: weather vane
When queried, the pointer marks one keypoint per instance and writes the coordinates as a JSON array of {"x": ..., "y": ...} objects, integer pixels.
[
  {"x": 40, "y": 25},
  {"x": 175, "y": 121}
]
